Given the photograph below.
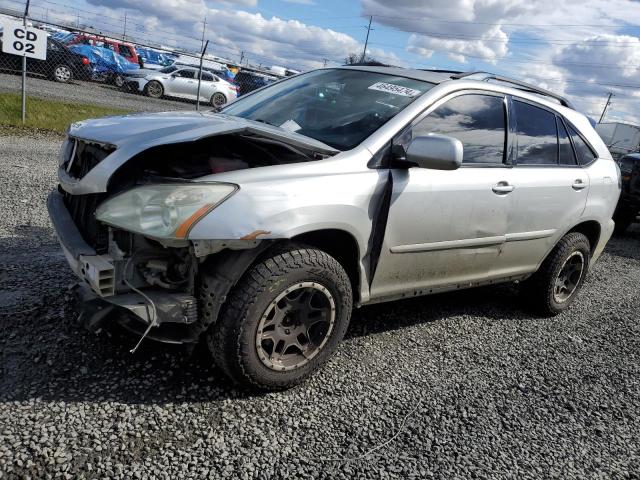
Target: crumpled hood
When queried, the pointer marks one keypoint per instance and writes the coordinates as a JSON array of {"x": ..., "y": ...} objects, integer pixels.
[{"x": 149, "y": 129}]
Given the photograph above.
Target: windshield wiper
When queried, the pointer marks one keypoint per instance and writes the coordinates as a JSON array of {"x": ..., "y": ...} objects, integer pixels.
[{"x": 264, "y": 121}]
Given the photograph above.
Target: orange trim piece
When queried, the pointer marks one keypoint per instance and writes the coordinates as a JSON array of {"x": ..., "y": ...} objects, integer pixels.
[
  {"x": 255, "y": 235},
  {"x": 183, "y": 229}
]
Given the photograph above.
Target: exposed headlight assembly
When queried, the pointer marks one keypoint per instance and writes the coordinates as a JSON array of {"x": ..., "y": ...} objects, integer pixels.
[{"x": 165, "y": 210}]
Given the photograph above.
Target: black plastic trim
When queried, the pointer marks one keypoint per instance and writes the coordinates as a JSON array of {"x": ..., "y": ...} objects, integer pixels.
[{"x": 65, "y": 228}]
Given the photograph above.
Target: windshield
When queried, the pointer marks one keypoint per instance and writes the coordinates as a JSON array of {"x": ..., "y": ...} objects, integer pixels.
[
  {"x": 169, "y": 69},
  {"x": 338, "y": 107}
]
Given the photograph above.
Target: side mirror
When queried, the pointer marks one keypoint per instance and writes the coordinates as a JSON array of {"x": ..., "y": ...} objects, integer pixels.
[{"x": 437, "y": 152}]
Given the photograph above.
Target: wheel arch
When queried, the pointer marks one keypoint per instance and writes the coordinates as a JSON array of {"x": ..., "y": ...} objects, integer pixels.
[
  {"x": 342, "y": 246},
  {"x": 590, "y": 229}
]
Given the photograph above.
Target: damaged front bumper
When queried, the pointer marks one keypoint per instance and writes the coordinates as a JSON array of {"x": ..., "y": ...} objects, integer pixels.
[{"x": 174, "y": 315}]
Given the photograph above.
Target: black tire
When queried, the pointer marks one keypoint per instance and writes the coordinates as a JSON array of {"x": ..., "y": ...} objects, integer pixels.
[
  {"x": 541, "y": 288},
  {"x": 233, "y": 340},
  {"x": 118, "y": 81},
  {"x": 62, "y": 73},
  {"x": 218, "y": 100},
  {"x": 154, "y": 89},
  {"x": 622, "y": 225},
  {"x": 623, "y": 218}
]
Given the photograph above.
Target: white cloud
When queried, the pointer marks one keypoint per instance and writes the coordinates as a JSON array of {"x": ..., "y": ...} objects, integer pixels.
[
  {"x": 264, "y": 40},
  {"x": 456, "y": 28}
]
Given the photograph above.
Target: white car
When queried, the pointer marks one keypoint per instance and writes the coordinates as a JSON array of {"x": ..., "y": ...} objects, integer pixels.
[{"x": 182, "y": 82}]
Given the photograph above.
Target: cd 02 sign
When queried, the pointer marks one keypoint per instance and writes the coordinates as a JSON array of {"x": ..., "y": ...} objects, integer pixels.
[{"x": 24, "y": 41}]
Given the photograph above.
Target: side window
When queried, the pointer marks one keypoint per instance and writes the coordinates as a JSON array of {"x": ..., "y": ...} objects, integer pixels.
[
  {"x": 537, "y": 135},
  {"x": 626, "y": 165},
  {"x": 478, "y": 121},
  {"x": 207, "y": 77},
  {"x": 567, "y": 157},
  {"x": 187, "y": 74},
  {"x": 583, "y": 152},
  {"x": 125, "y": 51}
]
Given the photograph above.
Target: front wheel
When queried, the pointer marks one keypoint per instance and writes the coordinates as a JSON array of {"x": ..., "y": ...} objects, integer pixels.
[
  {"x": 560, "y": 277},
  {"x": 283, "y": 319},
  {"x": 154, "y": 89}
]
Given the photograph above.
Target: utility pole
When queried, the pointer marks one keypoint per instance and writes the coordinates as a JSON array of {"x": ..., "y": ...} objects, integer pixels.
[
  {"x": 604, "y": 111},
  {"x": 241, "y": 56},
  {"x": 124, "y": 33},
  {"x": 366, "y": 42},
  {"x": 204, "y": 50},
  {"x": 324, "y": 60},
  {"x": 204, "y": 29}
]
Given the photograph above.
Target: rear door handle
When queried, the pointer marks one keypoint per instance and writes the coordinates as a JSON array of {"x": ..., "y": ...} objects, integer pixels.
[
  {"x": 502, "y": 188},
  {"x": 578, "y": 184}
]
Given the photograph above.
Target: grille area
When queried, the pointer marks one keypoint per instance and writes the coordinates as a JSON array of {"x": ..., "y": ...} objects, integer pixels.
[
  {"x": 83, "y": 156},
  {"x": 82, "y": 209}
]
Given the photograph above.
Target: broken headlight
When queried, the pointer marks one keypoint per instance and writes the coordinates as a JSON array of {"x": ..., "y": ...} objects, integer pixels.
[{"x": 163, "y": 211}]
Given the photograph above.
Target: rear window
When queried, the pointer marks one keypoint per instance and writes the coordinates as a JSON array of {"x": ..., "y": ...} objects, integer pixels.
[
  {"x": 583, "y": 152},
  {"x": 537, "y": 135},
  {"x": 125, "y": 51},
  {"x": 567, "y": 157}
]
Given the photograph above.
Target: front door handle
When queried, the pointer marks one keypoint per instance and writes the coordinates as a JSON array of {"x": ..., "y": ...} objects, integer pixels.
[
  {"x": 502, "y": 188},
  {"x": 578, "y": 184}
]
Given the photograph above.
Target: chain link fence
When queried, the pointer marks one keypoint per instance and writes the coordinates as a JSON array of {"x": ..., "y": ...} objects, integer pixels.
[{"x": 80, "y": 61}]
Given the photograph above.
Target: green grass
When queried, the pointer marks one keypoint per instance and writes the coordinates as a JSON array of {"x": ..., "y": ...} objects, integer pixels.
[{"x": 49, "y": 115}]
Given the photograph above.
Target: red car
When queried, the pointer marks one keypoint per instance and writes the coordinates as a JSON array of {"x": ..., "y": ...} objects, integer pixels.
[{"x": 127, "y": 50}]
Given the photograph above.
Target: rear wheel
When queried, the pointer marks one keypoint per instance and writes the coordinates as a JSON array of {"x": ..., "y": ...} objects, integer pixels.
[
  {"x": 556, "y": 284},
  {"x": 62, "y": 73},
  {"x": 218, "y": 99},
  {"x": 118, "y": 81},
  {"x": 154, "y": 89},
  {"x": 283, "y": 319}
]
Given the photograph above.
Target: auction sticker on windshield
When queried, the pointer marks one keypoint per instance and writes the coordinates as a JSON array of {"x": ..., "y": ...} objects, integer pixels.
[{"x": 395, "y": 89}]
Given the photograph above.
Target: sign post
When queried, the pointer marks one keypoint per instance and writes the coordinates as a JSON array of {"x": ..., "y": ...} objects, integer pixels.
[{"x": 24, "y": 41}]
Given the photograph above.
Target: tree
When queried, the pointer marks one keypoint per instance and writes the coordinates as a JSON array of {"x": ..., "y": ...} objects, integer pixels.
[{"x": 356, "y": 59}]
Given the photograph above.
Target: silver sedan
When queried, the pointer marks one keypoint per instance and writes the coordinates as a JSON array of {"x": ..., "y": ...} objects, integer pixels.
[{"x": 182, "y": 82}]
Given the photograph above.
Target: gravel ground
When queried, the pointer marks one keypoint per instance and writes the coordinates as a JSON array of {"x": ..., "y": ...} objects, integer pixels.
[
  {"x": 91, "y": 93},
  {"x": 462, "y": 385}
]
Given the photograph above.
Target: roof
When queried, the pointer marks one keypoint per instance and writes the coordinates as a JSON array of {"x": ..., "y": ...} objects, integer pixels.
[
  {"x": 439, "y": 76},
  {"x": 424, "y": 75}
]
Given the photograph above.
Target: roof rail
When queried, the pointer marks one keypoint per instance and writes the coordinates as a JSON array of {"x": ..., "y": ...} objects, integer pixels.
[{"x": 527, "y": 87}]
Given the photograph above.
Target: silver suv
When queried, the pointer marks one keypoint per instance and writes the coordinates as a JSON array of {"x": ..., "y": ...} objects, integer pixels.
[{"x": 257, "y": 229}]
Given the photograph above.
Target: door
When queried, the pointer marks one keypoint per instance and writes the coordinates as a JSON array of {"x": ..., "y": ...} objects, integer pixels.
[
  {"x": 183, "y": 84},
  {"x": 550, "y": 187},
  {"x": 447, "y": 227}
]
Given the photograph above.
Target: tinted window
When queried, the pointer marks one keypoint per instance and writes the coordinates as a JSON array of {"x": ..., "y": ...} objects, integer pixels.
[
  {"x": 169, "y": 69},
  {"x": 567, "y": 157},
  {"x": 338, "y": 107},
  {"x": 476, "y": 120},
  {"x": 125, "y": 51},
  {"x": 626, "y": 165},
  {"x": 207, "y": 77},
  {"x": 187, "y": 73},
  {"x": 583, "y": 152},
  {"x": 537, "y": 135}
]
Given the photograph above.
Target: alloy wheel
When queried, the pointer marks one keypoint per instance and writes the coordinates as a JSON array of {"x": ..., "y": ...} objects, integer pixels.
[
  {"x": 569, "y": 277},
  {"x": 218, "y": 99},
  {"x": 295, "y": 326},
  {"x": 62, "y": 73}
]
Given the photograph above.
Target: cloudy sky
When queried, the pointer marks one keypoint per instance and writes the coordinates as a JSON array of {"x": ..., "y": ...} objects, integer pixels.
[{"x": 581, "y": 48}]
